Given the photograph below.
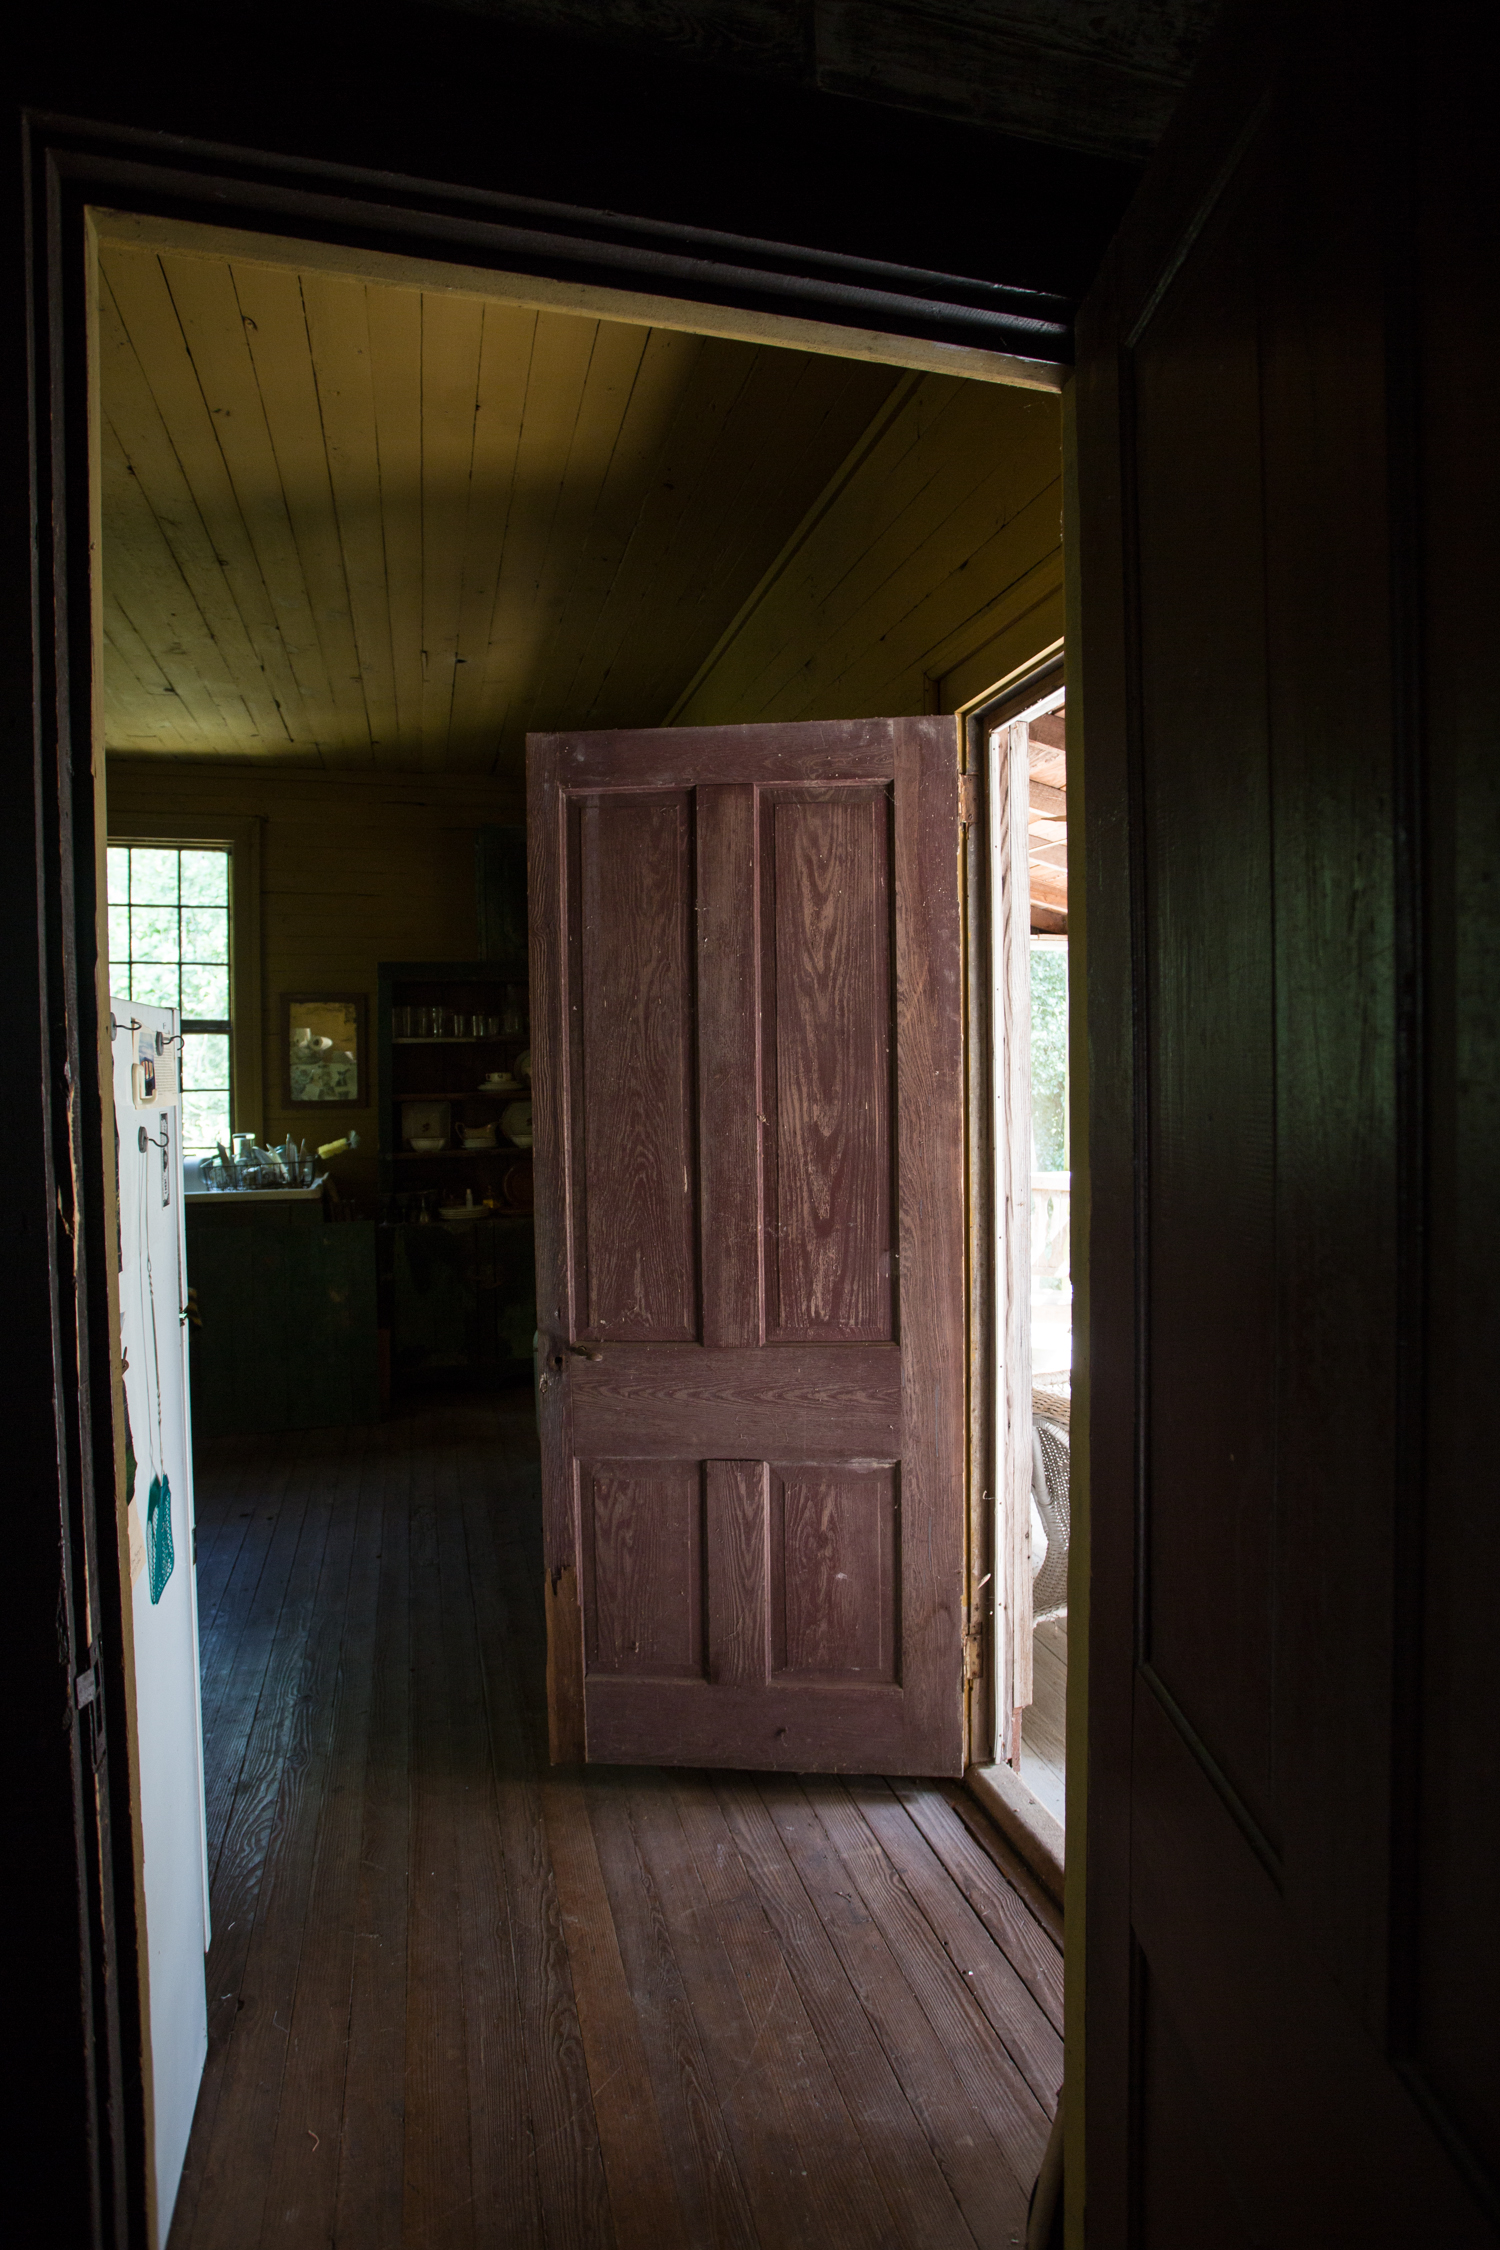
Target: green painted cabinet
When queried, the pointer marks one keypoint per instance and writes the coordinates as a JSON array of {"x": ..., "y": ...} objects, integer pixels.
[{"x": 287, "y": 1306}]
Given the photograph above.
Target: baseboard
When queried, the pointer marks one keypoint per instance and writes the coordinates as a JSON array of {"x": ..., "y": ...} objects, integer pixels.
[{"x": 1025, "y": 1823}]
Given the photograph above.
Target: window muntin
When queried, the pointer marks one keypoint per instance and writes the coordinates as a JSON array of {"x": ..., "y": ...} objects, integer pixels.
[{"x": 170, "y": 945}]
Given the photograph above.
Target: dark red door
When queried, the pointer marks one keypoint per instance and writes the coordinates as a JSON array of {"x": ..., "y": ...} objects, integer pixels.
[
  {"x": 747, "y": 1069},
  {"x": 1286, "y": 420}
]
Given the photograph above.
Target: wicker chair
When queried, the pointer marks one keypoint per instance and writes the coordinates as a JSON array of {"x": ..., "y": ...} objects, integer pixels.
[{"x": 1050, "y": 1424}]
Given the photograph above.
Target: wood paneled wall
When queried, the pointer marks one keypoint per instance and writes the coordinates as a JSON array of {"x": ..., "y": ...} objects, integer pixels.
[
  {"x": 355, "y": 870},
  {"x": 930, "y": 568}
]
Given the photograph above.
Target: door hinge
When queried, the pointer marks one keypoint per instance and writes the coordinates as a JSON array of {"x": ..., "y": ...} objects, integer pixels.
[
  {"x": 88, "y": 1697},
  {"x": 968, "y": 799},
  {"x": 973, "y": 1653}
]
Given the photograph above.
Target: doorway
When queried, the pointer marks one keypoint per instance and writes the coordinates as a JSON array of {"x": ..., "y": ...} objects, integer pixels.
[{"x": 369, "y": 865}]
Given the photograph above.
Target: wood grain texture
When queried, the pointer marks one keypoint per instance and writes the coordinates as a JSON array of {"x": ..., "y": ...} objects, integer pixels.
[
  {"x": 827, "y": 938},
  {"x": 832, "y": 1006},
  {"x": 643, "y": 1582},
  {"x": 955, "y": 2114},
  {"x": 833, "y": 1403},
  {"x": 635, "y": 1116},
  {"x": 485, "y": 2002},
  {"x": 643, "y": 2201},
  {"x": 729, "y": 1065},
  {"x": 737, "y": 1496},
  {"x": 835, "y": 1573}
]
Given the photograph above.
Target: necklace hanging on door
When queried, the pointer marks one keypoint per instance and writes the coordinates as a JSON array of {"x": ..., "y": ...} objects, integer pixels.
[{"x": 160, "y": 1553}]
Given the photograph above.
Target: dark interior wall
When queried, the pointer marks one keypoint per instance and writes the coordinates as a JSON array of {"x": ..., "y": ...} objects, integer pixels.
[
  {"x": 513, "y": 106},
  {"x": 1064, "y": 70},
  {"x": 485, "y": 109}
]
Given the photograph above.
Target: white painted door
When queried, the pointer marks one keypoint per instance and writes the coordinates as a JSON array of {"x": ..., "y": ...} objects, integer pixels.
[{"x": 168, "y": 1745}]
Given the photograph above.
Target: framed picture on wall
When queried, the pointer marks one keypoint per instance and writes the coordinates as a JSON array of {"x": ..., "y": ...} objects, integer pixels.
[{"x": 323, "y": 1049}]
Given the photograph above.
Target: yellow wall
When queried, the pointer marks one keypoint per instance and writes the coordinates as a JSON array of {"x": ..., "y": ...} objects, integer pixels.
[
  {"x": 929, "y": 569},
  {"x": 354, "y": 870}
]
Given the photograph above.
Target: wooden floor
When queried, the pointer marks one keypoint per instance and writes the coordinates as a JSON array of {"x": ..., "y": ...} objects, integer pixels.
[
  {"x": 456, "y": 1998},
  {"x": 1044, "y": 1726}
]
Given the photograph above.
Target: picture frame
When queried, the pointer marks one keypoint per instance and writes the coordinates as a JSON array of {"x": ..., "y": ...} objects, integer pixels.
[{"x": 324, "y": 1050}]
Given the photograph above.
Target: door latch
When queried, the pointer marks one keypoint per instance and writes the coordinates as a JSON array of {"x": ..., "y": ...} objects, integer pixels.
[{"x": 561, "y": 1353}]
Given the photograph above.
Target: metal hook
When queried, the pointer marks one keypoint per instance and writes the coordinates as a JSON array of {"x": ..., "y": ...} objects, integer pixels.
[{"x": 147, "y": 1140}]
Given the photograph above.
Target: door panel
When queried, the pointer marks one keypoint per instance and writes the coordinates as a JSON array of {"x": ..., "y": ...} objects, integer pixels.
[
  {"x": 826, "y": 1006},
  {"x": 747, "y": 1051},
  {"x": 1270, "y": 787},
  {"x": 636, "y": 1248}
]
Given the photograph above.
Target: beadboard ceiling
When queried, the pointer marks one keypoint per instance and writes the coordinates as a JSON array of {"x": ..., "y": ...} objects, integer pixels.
[{"x": 351, "y": 524}]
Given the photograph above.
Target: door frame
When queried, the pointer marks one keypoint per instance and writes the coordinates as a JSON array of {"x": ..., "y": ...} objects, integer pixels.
[
  {"x": 999, "y": 1473},
  {"x": 589, "y": 261}
]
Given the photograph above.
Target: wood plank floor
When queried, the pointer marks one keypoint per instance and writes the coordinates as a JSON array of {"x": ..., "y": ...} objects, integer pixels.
[{"x": 457, "y": 1998}]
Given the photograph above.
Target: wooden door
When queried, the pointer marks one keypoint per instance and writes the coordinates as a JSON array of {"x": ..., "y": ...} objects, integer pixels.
[
  {"x": 1288, "y": 702},
  {"x": 748, "y": 1077}
]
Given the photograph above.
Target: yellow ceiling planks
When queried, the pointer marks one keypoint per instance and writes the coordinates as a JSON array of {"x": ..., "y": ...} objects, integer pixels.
[
  {"x": 143, "y": 349},
  {"x": 394, "y": 319},
  {"x": 339, "y": 336},
  {"x": 151, "y": 590},
  {"x": 554, "y": 392},
  {"x": 134, "y": 428},
  {"x": 452, "y": 336},
  {"x": 669, "y": 498},
  {"x": 215, "y": 330},
  {"x": 356, "y": 522},
  {"x": 499, "y": 411},
  {"x": 275, "y": 327},
  {"x": 596, "y": 507},
  {"x": 138, "y": 711},
  {"x": 792, "y": 418},
  {"x": 662, "y": 380}
]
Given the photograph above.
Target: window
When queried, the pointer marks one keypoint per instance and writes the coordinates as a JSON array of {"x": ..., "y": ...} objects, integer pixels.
[
  {"x": 170, "y": 945},
  {"x": 1051, "y": 1177}
]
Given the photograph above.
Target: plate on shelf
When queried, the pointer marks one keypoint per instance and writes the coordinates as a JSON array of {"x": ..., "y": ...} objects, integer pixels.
[{"x": 516, "y": 1123}]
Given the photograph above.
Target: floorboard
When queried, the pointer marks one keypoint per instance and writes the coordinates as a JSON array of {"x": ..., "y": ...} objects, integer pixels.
[{"x": 460, "y": 1999}]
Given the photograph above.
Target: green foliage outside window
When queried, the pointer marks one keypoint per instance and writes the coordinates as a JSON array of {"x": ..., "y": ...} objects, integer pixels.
[{"x": 169, "y": 945}]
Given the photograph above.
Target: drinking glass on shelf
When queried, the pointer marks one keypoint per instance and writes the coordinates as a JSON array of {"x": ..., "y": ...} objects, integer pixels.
[{"x": 510, "y": 1021}]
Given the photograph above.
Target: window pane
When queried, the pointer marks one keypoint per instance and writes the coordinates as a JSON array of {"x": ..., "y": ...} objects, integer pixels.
[
  {"x": 119, "y": 874},
  {"x": 119, "y": 935},
  {"x": 205, "y": 992},
  {"x": 153, "y": 933},
  {"x": 155, "y": 982},
  {"x": 1049, "y": 1057},
  {"x": 205, "y": 933},
  {"x": 205, "y": 1121},
  {"x": 205, "y": 878},
  {"x": 153, "y": 876},
  {"x": 205, "y": 1061}
]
